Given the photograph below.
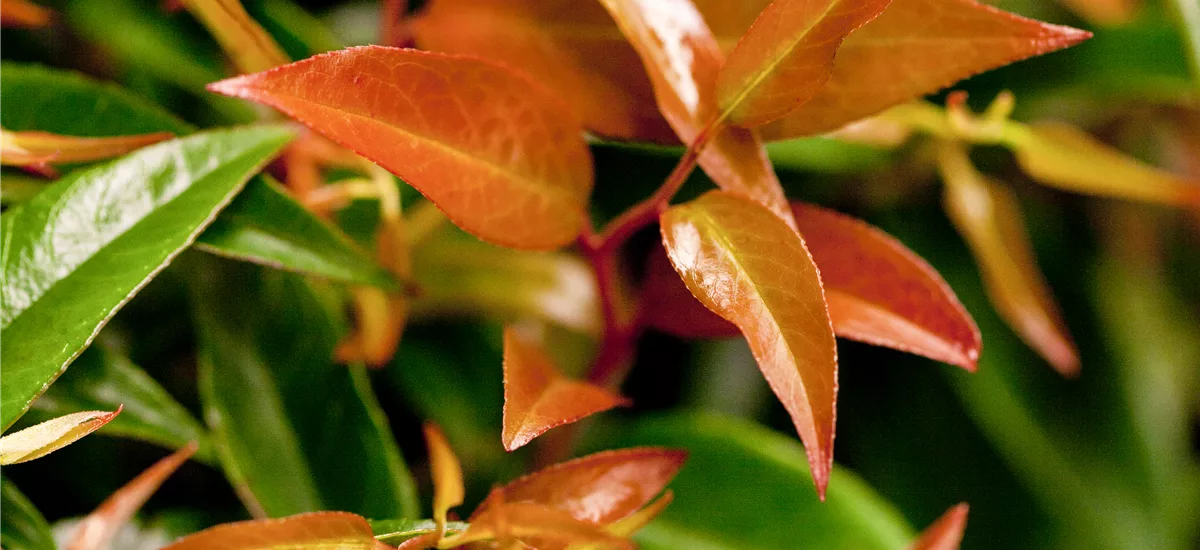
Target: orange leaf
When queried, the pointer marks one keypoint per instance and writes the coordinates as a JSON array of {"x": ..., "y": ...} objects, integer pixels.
[
  {"x": 42, "y": 439},
  {"x": 503, "y": 157},
  {"x": 635, "y": 522},
  {"x": 37, "y": 148},
  {"x": 312, "y": 531},
  {"x": 787, "y": 55},
  {"x": 447, "y": 475},
  {"x": 989, "y": 219},
  {"x": 753, "y": 270},
  {"x": 946, "y": 533},
  {"x": 913, "y": 48},
  {"x": 22, "y": 13},
  {"x": 97, "y": 530},
  {"x": 667, "y": 304},
  {"x": 572, "y": 47},
  {"x": 249, "y": 46},
  {"x": 600, "y": 488},
  {"x": 529, "y": 521},
  {"x": 538, "y": 398},
  {"x": 683, "y": 60},
  {"x": 880, "y": 292}
]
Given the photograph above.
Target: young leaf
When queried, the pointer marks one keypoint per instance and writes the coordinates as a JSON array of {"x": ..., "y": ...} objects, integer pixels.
[
  {"x": 751, "y": 269},
  {"x": 249, "y": 46},
  {"x": 22, "y": 526},
  {"x": 39, "y": 148},
  {"x": 946, "y": 533},
  {"x": 23, "y": 13},
  {"x": 682, "y": 59},
  {"x": 497, "y": 152},
  {"x": 97, "y": 530},
  {"x": 601, "y": 488},
  {"x": 56, "y": 298},
  {"x": 572, "y": 47},
  {"x": 787, "y": 55},
  {"x": 913, "y": 48},
  {"x": 315, "y": 531},
  {"x": 447, "y": 475},
  {"x": 636, "y": 521},
  {"x": 989, "y": 219},
  {"x": 538, "y": 398},
  {"x": 667, "y": 304},
  {"x": 880, "y": 292},
  {"x": 527, "y": 521},
  {"x": 49, "y": 436}
]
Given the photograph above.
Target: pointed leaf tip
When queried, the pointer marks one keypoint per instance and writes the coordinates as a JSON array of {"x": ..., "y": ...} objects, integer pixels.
[
  {"x": 42, "y": 439},
  {"x": 537, "y": 398},
  {"x": 946, "y": 533}
]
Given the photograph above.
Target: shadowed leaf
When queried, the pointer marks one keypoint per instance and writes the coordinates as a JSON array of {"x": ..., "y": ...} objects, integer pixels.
[
  {"x": 526, "y": 521},
  {"x": 22, "y": 526},
  {"x": 249, "y": 46},
  {"x": 42, "y": 439},
  {"x": 667, "y": 304},
  {"x": 497, "y": 152},
  {"x": 946, "y": 533},
  {"x": 22, "y": 13},
  {"x": 447, "y": 475},
  {"x": 538, "y": 398},
  {"x": 314, "y": 531},
  {"x": 751, "y": 269},
  {"x": 37, "y": 148}
]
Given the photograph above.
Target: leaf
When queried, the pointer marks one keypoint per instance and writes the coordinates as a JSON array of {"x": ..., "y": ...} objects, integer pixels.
[
  {"x": 42, "y": 439},
  {"x": 635, "y": 522},
  {"x": 249, "y": 47},
  {"x": 759, "y": 478},
  {"x": 447, "y": 475},
  {"x": 529, "y": 521},
  {"x": 787, "y": 55},
  {"x": 315, "y": 531},
  {"x": 667, "y": 304},
  {"x": 22, "y": 526},
  {"x": 38, "y": 148},
  {"x": 394, "y": 531},
  {"x": 282, "y": 453},
  {"x": 880, "y": 292},
  {"x": 572, "y": 47},
  {"x": 754, "y": 271},
  {"x": 104, "y": 379},
  {"x": 265, "y": 225},
  {"x": 503, "y": 158},
  {"x": 916, "y": 47},
  {"x": 23, "y": 13},
  {"x": 65, "y": 275},
  {"x": 1104, "y": 12},
  {"x": 537, "y": 398},
  {"x": 946, "y": 533},
  {"x": 682, "y": 59},
  {"x": 1065, "y": 157},
  {"x": 989, "y": 219},
  {"x": 97, "y": 530}
]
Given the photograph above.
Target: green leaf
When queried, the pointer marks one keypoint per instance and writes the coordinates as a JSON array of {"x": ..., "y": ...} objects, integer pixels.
[
  {"x": 396, "y": 531},
  {"x": 22, "y": 527},
  {"x": 265, "y": 225},
  {"x": 295, "y": 432},
  {"x": 764, "y": 490},
  {"x": 102, "y": 379},
  {"x": 72, "y": 256}
]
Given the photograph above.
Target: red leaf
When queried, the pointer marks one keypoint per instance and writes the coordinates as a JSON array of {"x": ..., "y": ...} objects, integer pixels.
[
  {"x": 23, "y": 14},
  {"x": 538, "y": 398},
  {"x": 946, "y": 533},
  {"x": 750, "y": 268},
  {"x": 601, "y": 488},
  {"x": 667, "y": 304},
  {"x": 881, "y": 293},
  {"x": 503, "y": 157},
  {"x": 312, "y": 531}
]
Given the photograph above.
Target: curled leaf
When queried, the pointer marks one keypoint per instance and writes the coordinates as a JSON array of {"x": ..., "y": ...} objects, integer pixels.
[
  {"x": 97, "y": 530},
  {"x": 497, "y": 152},
  {"x": 880, "y": 292},
  {"x": 787, "y": 55},
  {"x": 989, "y": 219},
  {"x": 40, "y": 148},
  {"x": 312, "y": 531},
  {"x": 249, "y": 46},
  {"x": 447, "y": 476},
  {"x": 22, "y": 13},
  {"x": 946, "y": 533},
  {"x": 751, "y": 269},
  {"x": 538, "y": 398},
  {"x": 42, "y": 439}
]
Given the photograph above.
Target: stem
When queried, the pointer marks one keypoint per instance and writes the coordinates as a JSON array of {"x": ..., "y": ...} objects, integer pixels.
[{"x": 1187, "y": 12}]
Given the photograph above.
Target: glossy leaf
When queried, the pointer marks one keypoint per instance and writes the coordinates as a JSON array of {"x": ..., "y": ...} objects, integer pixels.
[
  {"x": 946, "y": 533},
  {"x": 249, "y": 46},
  {"x": 282, "y": 453},
  {"x": 97, "y": 530},
  {"x": 22, "y": 526},
  {"x": 23, "y": 13},
  {"x": 537, "y": 398},
  {"x": 42, "y": 439},
  {"x": 527, "y": 521},
  {"x": 787, "y": 55},
  {"x": 315, "y": 531},
  {"x": 601, "y": 488},
  {"x": 447, "y": 475},
  {"x": 683, "y": 60},
  {"x": 65, "y": 275},
  {"x": 880, "y": 292},
  {"x": 509, "y": 166},
  {"x": 573, "y": 47},
  {"x": 754, "y": 271},
  {"x": 104, "y": 379},
  {"x": 264, "y": 225},
  {"x": 759, "y": 478},
  {"x": 916, "y": 47},
  {"x": 989, "y": 219},
  {"x": 38, "y": 148},
  {"x": 667, "y": 304}
]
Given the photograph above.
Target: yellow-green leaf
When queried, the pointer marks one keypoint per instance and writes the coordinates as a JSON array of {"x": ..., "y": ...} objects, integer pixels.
[{"x": 42, "y": 439}]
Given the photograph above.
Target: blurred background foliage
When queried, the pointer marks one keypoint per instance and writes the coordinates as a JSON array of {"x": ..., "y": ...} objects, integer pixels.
[{"x": 1107, "y": 460}]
